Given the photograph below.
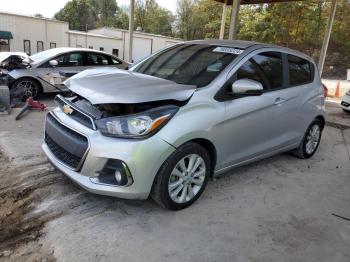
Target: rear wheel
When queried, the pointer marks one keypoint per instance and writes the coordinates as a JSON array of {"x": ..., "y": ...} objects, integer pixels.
[
  {"x": 182, "y": 178},
  {"x": 311, "y": 140}
]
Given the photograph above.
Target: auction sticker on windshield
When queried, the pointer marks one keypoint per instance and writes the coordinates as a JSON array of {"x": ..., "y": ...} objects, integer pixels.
[{"x": 222, "y": 49}]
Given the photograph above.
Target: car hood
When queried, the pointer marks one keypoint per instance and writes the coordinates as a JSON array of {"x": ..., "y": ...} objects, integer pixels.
[{"x": 111, "y": 85}]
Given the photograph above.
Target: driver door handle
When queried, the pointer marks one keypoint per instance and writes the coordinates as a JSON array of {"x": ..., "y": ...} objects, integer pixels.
[{"x": 279, "y": 101}]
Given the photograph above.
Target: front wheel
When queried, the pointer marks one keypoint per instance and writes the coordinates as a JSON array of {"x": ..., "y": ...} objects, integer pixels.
[
  {"x": 28, "y": 87},
  {"x": 182, "y": 178},
  {"x": 311, "y": 140}
]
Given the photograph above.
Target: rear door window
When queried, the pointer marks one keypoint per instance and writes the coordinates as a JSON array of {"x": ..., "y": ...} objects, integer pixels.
[
  {"x": 300, "y": 71},
  {"x": 95, "y": 59}
]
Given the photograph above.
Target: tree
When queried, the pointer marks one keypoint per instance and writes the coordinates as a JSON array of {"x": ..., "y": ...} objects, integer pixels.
[
  {"x": 79, "y": 14},
  {"x": 152, "y": 18}
]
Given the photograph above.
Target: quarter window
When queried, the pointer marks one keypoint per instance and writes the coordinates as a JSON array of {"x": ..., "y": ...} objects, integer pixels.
[{"x": 300, "y": 71}]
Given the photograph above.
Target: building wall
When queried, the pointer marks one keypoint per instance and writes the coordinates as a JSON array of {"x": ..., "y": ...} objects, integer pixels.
[
  {"x": 52, "y": 31},
  {"x": 34, "y": 30},
  {"x": 144, "y": 43},
  {"x": 79, "y": 39}
]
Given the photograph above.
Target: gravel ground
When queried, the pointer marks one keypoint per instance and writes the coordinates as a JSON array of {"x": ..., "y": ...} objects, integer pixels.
[{"x": 279, "y": 209}]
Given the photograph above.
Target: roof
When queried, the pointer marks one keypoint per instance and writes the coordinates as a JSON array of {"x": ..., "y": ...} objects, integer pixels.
[
  {"x": 241, "y": 44},
  {"x": 230, "y": 43},
  {"x": 92, "y": 34},
  {"x": 250, "y": 2},
  {"x": 136, "y": 32},
  {"x": 33, "y": 17}
]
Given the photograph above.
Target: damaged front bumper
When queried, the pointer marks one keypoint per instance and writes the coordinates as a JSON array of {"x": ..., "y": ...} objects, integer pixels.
[{"x": 142, "y": 158}]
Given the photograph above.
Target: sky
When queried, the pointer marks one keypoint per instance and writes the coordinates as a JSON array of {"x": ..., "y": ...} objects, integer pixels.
[{"x": 49, "y": 7}]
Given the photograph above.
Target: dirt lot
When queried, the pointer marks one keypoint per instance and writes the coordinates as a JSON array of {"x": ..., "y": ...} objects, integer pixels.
[{"x": 279, "y": 209}]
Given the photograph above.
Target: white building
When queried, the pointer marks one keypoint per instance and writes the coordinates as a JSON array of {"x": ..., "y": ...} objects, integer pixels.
[{"x": 22, "y": 33}]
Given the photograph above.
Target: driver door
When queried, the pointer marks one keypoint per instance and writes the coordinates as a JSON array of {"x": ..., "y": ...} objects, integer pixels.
[
  {"x": 68, "y": 62},
  {"x": 251, "y": 121}
]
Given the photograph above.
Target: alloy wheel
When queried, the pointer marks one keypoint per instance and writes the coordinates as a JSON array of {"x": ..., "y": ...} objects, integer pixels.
[
  {"x": 29, "y": 89},
  {"x": 312, "y": 139},
  {"x": 187, "y": 178}
]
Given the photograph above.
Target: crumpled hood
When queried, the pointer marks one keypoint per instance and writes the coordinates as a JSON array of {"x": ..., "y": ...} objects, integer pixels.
[{"x": 111, "y": 85}]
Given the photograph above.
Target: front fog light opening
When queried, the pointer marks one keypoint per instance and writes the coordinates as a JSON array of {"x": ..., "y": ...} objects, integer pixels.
[{"x": 114, "y": 173}]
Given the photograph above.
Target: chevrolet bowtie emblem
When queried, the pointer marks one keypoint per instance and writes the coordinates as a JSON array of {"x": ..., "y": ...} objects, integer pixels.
[{"x": 67, "y": 109}]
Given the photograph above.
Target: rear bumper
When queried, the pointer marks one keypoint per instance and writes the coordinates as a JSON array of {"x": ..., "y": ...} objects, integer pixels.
[
  {"x": 345, "y": 103},
  {"x": 143, "y": 158}
]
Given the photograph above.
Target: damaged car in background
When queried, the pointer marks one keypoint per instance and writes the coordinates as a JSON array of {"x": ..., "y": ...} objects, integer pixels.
[
  {"x": 46, "y": 71},
  {"x": 193, "y": 110}
]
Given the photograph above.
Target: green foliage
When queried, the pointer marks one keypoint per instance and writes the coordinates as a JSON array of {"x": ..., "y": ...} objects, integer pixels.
[
  {"x": 152, "y": 18},
  {"x": 79, "y": 14}
]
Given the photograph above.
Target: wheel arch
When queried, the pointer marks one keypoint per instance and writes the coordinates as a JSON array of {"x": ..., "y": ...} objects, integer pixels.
[
  {"x": 31, "y": 78},
  {"x": 210, "y": 148},
  {"x": 322, "y": 120}
]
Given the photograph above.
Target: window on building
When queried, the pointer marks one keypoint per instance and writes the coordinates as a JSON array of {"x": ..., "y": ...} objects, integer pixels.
[
  {"x": 266, "y": 68},
  {"x": 115, "y": 52},
  {"x": 5, "y": 37},
  {"x": 52, "y": 45},
  {"x": 300, "y": 71},
  {"x": 26, "y": 47},
  {"x": 91, "y": 47},
  {"x": 79, "y": 46},
  {"x": 39, "y": 46},
  {"x": 102, "y": 49},
  {"x": 4, "y": 45}
]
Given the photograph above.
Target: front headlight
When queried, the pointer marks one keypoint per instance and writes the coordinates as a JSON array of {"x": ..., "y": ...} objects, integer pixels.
[{"x": 137, "y": 125}]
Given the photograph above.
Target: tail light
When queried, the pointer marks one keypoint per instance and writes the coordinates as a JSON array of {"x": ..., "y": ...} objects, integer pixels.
[{"x": 325, "y": 90}]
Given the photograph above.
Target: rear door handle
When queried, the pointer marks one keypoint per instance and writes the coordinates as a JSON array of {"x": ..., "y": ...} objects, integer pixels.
[{"x": 279, "y": 101}]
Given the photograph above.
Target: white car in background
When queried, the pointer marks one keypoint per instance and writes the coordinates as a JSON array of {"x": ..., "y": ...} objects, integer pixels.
[
  {"x": 38, "y": 75},
  {"x": 345, "y": 103}
]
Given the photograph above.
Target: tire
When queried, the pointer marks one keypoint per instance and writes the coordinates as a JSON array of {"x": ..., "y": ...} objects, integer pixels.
[
  {"x": 346, "y": 111},
  {"x": 171, "y": 173},
  {"x": 305, "y": 151},
  {"x": 31, "y": 87}
]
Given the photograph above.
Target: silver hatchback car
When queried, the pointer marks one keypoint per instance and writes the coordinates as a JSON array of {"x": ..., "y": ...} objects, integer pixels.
[{"x": 186, "y": 113}]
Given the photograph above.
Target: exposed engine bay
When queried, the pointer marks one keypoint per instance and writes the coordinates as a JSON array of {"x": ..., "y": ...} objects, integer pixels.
[
  {"x": 14, "y": 62},
  {"x": 108, "y": 110}
]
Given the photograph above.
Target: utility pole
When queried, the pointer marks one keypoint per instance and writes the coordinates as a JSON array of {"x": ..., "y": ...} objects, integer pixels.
[
  {"x": 131, "y": 28},
  {"x": 327, "y": 37}
]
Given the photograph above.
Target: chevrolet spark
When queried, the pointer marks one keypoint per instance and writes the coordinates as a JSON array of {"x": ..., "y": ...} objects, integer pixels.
[{"x": 188, "y": 112}]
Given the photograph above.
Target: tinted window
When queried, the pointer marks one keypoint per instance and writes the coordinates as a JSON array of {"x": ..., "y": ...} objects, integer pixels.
[
  {"x": 70, "y": 59},
  {"x": 95, "y": 59},
  {"x": 115, "y": 61},
  {"x": 188, "y": 64},
  {"x": 266, "y": 68},
  {"x": 300, "y": 71}
]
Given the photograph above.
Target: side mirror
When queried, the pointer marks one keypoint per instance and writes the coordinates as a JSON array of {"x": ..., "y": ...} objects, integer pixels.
[
  {"x": 53, "y": 63},
  {"x": 247, "y": 87}
]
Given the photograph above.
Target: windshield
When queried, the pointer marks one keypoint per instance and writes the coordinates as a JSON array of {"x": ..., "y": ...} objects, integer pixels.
[
  {"x": 188, "y": 64},
  {"x": 38, "y": 57}
]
